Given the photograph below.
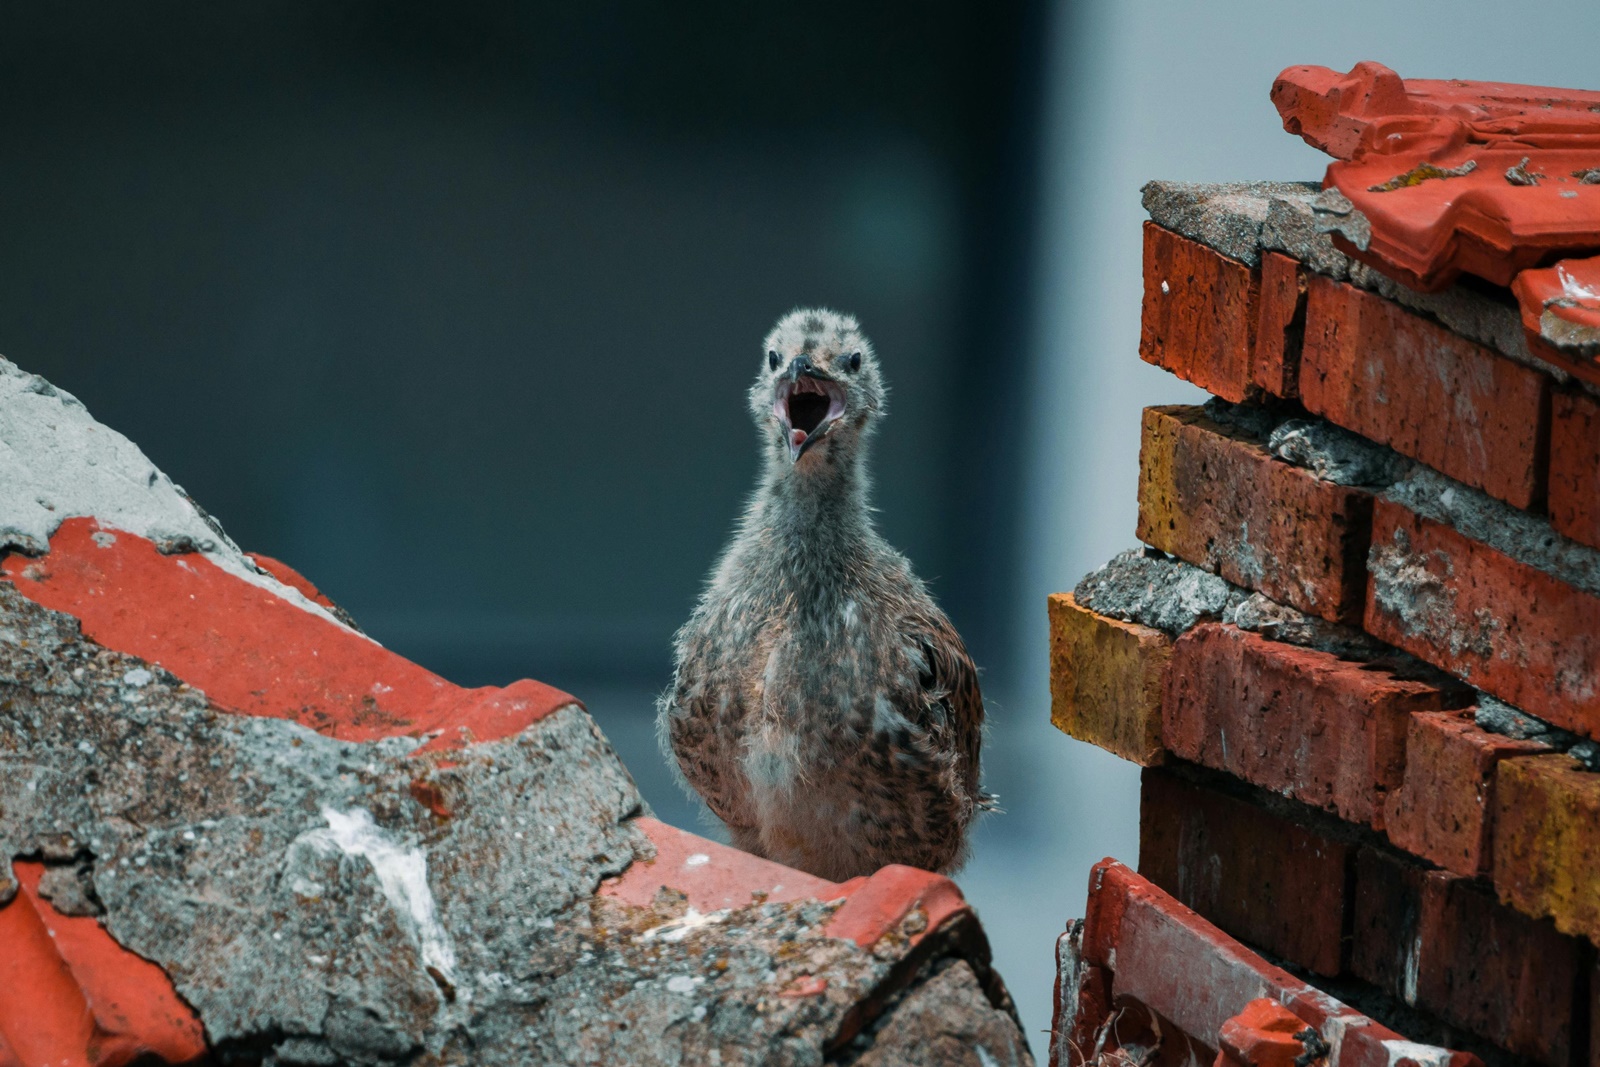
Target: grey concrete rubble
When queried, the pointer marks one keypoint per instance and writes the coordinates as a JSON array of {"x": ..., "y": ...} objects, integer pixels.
[
  {"x": 1148, "y": 587},
  {"x": 313, "y": 912},
  {"x": 1525, "y": 537},
  {"x": 1153, "y": 589},
  {"x": 942, "y": 1020},
  {"x": 1333, "y": 213},
  {"x": 321, "y": 902},
  {"x": 1498, "y": 717},
  {"x": 57, "y": 463},
  {"x": 1333, "y": 454},
  {"x": 1279, "y": 622},
  {"x": 1251, "y": 420},
  {"x": 1336, "y": 455},
  {"x": 1573, "y": 338},
  {"x": 1229, "y": 218},
  {"x": 1243, "y": 219}
]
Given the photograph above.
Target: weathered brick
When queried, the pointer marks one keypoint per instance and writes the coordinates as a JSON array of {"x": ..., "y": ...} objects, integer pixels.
[
  {"x": 1280, "y": 327},
  {"x": 1200, "y": 313},
  {"x": 1328, "y": 732},
  {"x": 1105, "y": 680},
  {"x": 1507, "y": 627},
  {"x": 1211, "y": 495},
  {"x": 1158, "y": 958},
  {"x": 1263, "y": 879},
  {"x": 1404, "y": 381},
  {"x": 1386, "y": 921},
  {"x": 1547, "y": 841},
  {"x": 1445, "y": 945},
  {"x": 1575, "y": 466},
  {"x": 1443, "y": 810}
]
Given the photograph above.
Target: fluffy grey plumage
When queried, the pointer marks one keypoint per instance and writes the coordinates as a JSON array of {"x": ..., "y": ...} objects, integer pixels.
[{"x": 823, "y": 706}]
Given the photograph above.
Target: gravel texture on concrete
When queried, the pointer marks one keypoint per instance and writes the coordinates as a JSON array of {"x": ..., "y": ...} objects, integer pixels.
[
  {"x": 1229, "y": 218},
  {"x": 1148, "y": 587},
  {"x": 1331, "y": 453},
  {"x": 1498, "y": 717},
  {"x": 1336, "y": 455}
]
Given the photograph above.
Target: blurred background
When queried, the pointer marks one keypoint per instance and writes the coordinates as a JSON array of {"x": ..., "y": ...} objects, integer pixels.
[{"x": 452, "y": 307}]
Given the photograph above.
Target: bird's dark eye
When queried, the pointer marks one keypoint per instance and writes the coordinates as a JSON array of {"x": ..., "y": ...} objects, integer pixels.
[
  {"x": 855, "y": 361},
  {"x": 772, "y": 359}
]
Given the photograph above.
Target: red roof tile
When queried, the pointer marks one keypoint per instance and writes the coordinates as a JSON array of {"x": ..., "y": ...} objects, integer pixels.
[
  {"x": 1452, "y": 176},
  {"x": 74, "y": 997},
  {"x": 255, "y": 654},
  {"x": 1561, "y": 312}
]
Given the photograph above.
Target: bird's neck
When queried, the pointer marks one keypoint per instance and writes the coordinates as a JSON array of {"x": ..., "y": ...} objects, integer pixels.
[{"x": 816, "y": 508}]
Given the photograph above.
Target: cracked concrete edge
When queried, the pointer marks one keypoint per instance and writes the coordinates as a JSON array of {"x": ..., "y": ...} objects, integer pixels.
[
  {"x": 57, "y": 462},
  {"x": 1243, "y": 219}
]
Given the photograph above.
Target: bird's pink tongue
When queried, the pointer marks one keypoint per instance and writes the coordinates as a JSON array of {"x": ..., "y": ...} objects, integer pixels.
[{"x": 798, "y": 437}]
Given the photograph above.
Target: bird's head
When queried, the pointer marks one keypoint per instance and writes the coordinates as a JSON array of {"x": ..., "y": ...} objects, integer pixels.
[{"x": 819, "y": 387}]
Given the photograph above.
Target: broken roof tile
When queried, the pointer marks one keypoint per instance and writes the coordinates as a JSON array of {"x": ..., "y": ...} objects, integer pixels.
[
  {"x": 1446, "y": 177},
  {"x": 64, "y": 977},
  {"x": 1561, "y": 311},
  {"x": 255, "y": 653},
  {"x": 1371, "y": 109}
]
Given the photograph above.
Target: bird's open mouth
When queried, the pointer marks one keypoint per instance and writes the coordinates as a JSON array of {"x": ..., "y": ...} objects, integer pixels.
[{"x": 806, "y": 406}]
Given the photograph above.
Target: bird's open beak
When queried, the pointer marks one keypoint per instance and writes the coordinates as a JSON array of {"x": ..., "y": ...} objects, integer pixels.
[{"x": 807, "y": 403}]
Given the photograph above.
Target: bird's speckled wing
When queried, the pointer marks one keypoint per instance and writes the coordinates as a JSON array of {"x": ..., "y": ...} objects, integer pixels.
[
  {"x": 698, "y": 722},
  {"x": 949, "y": 681}
]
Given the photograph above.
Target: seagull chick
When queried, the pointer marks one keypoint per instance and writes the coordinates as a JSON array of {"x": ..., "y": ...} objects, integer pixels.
[{"x": 823, "y": 706}]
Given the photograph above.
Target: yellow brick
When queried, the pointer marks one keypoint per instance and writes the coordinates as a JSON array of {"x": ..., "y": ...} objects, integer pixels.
[
  {"x": 1105, "y": 680},
  {"x": 1547, "y": 841}
]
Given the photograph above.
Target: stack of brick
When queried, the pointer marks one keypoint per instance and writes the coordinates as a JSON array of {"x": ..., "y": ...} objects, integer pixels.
[
  {"x": 235, "y": 829},
  {"x": 1359, "y": 657}
]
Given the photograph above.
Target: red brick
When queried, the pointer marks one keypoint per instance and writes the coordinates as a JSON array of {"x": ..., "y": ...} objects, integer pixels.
[
  {"x": 1280, "y": 328},
  {"x": 1328, "y": 732},
  {"x": 1575, "y": 466},
  {"x": 1407, "y": 382},
  {"x": 1445, "y": 945},
  {"x": 1547, "y": 841},
  {"x": 1263, "y": 879},
  {"x": 1443, "y": 810},
  {"x": 1210, "y": 495},
  {"x": 1508, "y": 628},
  {"x": 1156, "y": 955},
  {"x": 1105, "y": 680},
  {"x": 1200, "y": 313}
]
